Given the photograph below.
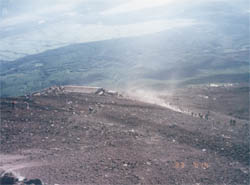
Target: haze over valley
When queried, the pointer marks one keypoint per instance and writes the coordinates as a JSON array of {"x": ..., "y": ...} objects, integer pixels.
[
  {"x": 124, "y": 92},
  {"x": 112, "y": 45}
]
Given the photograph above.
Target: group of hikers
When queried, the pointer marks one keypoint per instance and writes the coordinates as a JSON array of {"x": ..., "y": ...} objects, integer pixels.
[{"x": 14, "y": 104}]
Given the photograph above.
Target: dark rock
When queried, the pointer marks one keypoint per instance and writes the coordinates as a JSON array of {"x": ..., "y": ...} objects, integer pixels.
[
  {"x": 8, "y": 178},
  {"x": 91, "y": 109},
  {"x": 33, "y": 182},
  {"x": 100, "y": 91}
]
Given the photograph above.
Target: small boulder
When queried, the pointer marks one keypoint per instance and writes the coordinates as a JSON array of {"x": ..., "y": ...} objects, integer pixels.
[
  {"x": 91, "y": 109},
  {"x": 8, "y": 178},
  {"x": 100, "y": 92},
  {"x": 33, "y": 182}
]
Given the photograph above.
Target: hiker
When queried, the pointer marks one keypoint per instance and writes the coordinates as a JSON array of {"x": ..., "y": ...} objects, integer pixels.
[
  {"x": 13, "y": 105},
  {"x": 27, "y": 105}
]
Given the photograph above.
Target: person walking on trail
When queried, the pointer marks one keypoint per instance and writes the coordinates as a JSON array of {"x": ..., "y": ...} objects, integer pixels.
[
  {"x": 27, "y": 105},
  {"x": 13, "y": 105}
]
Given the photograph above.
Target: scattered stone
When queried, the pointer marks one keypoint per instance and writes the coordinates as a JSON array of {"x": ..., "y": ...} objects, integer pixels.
[
  {"x": 37, "y": 94},
  {"x": 125, "y": 165},
  {"x": 244, "y": 170},
  {"x": 226, "y": 137},
  {"x": 112, "y": 93},
  {"x": 69, "y": 102},
  {"x": 8, "y": 178},
  {"x": 91, "y": 109},
  {"x": 100, "y": 92},
  {"x": 33, "y": 182}
]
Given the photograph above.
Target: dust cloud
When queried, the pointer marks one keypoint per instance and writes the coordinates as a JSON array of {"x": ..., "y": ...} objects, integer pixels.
[{"x": 153, "y": 97}]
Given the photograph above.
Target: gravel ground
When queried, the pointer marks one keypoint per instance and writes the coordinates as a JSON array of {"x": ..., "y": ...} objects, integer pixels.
[{"x": 79, "y": 138}]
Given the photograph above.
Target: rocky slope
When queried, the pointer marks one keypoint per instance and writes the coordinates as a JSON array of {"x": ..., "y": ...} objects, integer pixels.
[{"x": 67, "y": 136}]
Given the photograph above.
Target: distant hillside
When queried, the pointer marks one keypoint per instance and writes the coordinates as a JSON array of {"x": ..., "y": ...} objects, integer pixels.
[{"x": 157, "y": 60}]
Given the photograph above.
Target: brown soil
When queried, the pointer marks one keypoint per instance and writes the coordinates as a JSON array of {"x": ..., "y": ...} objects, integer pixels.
[{"x": 83, "y": 138}]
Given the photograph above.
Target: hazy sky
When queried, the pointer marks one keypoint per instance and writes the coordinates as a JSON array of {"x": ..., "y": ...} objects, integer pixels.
[{"x": 32, "y": 26}]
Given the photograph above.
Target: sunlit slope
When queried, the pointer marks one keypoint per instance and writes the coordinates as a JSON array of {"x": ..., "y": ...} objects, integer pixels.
[{"x": 196, "y": 54}]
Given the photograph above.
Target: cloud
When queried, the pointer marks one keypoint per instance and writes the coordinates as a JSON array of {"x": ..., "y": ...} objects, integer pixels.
[
  {"x": 15, "y": 20},
  {"x": 32, "y": 25},
  {"x": 60, "y": 34},
  {"x": 41, "y": 22},
  {"x": 135, "y": 5},
  {"x": 59, "y": 6},
  {"x": 38, "y": 10}
]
